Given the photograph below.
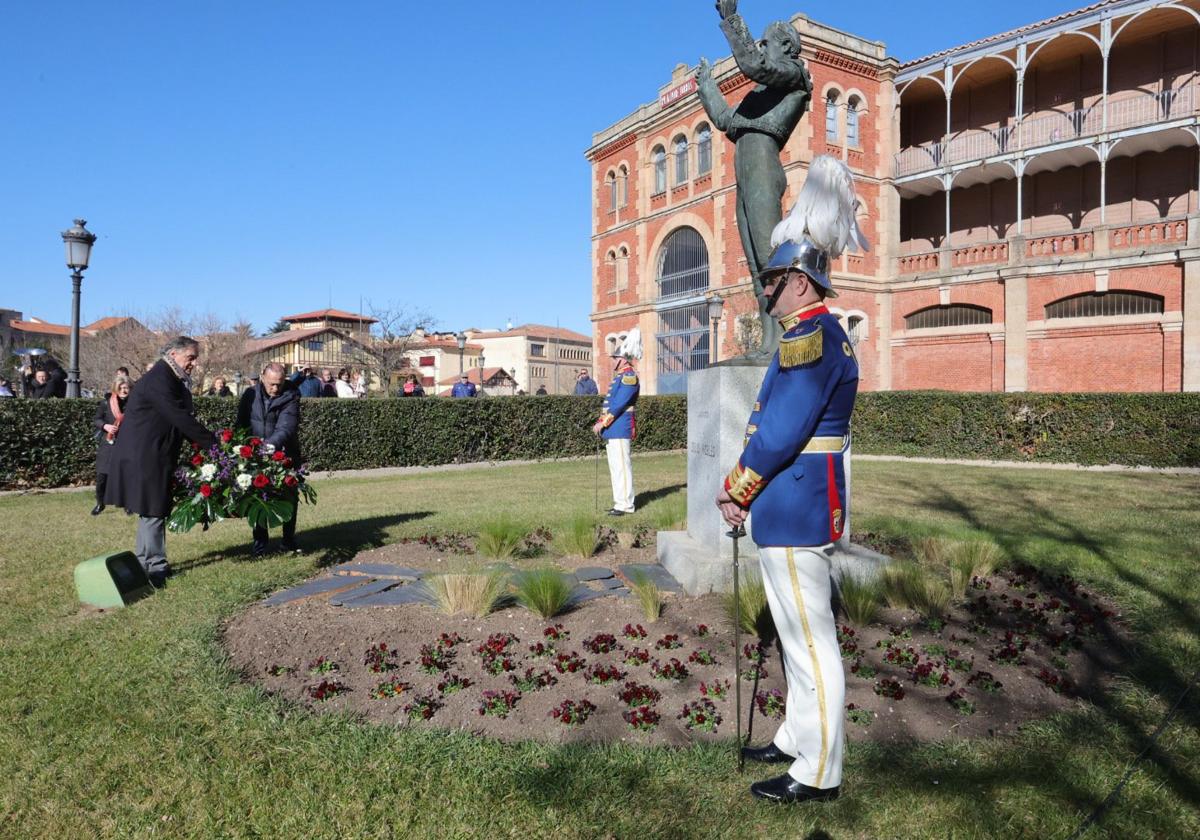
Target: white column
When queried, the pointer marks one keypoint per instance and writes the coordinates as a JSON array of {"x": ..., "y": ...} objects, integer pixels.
[
  {"x": 1191, "y": 325},
  {"x": 1016, "y": 339}
]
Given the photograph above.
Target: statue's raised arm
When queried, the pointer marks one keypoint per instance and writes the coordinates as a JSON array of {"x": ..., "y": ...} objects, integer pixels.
[{"x": 770, "y": 64}]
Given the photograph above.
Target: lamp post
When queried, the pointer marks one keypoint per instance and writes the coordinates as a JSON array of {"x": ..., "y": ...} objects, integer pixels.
[
  {"x": 481, "y": 378},
  {"x": 461, "y": 338},
  {"x": 715, "y": 304},
  {"x": 512, "y": 383},
  {"x": 78, "y": 241}
]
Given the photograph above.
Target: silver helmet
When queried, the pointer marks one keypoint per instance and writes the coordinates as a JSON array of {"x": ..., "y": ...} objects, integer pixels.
[{"x": 801, "y": 256}]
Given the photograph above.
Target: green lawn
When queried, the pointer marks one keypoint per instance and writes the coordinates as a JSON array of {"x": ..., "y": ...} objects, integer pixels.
[{"x": 132, "y": 724}]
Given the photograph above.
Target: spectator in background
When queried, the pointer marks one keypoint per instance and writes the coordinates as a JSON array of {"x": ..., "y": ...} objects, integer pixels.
[
  {"x": 412, "y": 387},
  {"x": 541, "y": 391},
  {"x": 109, "y": 415},
  {"x": 464, "y": 387},
  {"x": 306, "y": 383},
  {"x": 253, "y": 383},
  {"x": 49, "y": 380},
  {"x": 6, "y": 388},
  {"x": 121, "y": 371},
  {"x": 344, "y": 388},
  {"x": 328, "y": 386},
  {"x": 271, "y": 411},
  {"x": 219, "y": 388},
  {"x": 585, "y": 386},
  {"x": 157, "y": 418},
  {"x": 360, "y": 384}
]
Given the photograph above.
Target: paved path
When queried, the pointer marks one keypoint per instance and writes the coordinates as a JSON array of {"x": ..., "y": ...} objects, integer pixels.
[{"x": 384, "y": 472}]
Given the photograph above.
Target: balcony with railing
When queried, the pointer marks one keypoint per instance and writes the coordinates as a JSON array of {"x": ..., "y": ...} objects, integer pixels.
[
  {"x": 1105, "y": 240},
  {"x": 1046, "y": 131}
]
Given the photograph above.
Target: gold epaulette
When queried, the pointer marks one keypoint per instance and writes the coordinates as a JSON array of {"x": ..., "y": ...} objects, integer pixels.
[
  {"x": 801, "y": 350},
  {"x": 629, "y": 379}
]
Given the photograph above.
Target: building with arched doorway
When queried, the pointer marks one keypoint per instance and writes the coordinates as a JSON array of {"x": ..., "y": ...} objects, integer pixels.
[{"x": 1032, "y": 199}]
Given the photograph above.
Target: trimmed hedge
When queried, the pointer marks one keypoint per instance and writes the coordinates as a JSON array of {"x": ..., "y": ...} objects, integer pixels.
[
  {"x": 1152, "y": 430},
  {"x": 48, "y": 443}
]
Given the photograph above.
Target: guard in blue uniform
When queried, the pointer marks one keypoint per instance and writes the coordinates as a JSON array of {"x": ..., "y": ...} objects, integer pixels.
[
  {"x": 618, "y": 423},
  {"x": 791, "y": 481}
]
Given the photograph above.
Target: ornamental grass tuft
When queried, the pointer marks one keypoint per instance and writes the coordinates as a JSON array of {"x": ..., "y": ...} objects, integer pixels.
[
  {"x": 579, "y": 538},
  {"x": 543, "y": 591},
  {"x": 860, "y": 598},
  {"x": 500, "y": 538},
  {"x": 969, "y": 560},
  {"x": 755, "y": 612},
  {"x": 648, "y": 595},
  {"x": 473, "y": 593},
  {"x": 902, "y": 583}
]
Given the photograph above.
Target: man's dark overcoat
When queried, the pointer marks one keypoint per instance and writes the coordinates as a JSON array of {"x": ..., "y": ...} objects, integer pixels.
[{"x": 158, "y": 417}]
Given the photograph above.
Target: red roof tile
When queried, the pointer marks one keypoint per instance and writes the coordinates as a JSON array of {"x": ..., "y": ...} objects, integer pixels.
[
  {"x": 537, "y": 331},
  {"x": 335, "y": 314}
]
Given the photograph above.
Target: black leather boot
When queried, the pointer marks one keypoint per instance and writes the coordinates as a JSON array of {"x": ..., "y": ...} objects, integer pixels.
[
  {"x": 770, "y": 754},
  {"x": 785, "y": 789},
  {"x": 98, "y": 509}
]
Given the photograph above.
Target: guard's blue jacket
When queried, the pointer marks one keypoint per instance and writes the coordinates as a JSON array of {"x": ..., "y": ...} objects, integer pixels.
[
  {"x": 463, "y": 389},
  {"x": 617, "y": 413},
  {"x": 791, "y": 474}
]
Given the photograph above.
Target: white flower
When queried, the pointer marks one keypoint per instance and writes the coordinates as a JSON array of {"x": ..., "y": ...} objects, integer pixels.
[
  {"x": 244, "y": 480},
  {"x": 268, "y": 448},
  {"x": 208, "y": 471}
]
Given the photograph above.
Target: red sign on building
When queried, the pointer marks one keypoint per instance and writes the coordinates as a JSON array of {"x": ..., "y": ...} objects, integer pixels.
[{"x": 678, "y": 92}]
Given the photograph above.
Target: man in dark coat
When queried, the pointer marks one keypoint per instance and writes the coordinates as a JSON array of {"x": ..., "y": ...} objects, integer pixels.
[
  {"x": 158, "y": 417},
  {"x": 271, "y": 411},
  {"x": 306, "y": 383}
]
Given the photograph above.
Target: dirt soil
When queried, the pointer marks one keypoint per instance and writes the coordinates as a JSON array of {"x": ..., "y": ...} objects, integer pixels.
[{"x": 1021, "y": 647}]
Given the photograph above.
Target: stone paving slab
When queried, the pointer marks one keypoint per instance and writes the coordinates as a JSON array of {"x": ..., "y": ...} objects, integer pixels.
[
  {"x": 319, "y": 586},
  {"x": 661, "y": 577},
  {"x": 583, "y": 594},
  {"x": 416, "y": 593},
  {"x": 371, "y": 588},
  {"x": 378, "y": 570},
  {"x": 588, "y": 573},
  {"x": 611, "y": 583}
]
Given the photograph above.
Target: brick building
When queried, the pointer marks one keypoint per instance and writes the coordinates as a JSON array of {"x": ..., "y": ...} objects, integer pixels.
[{"x": 1031, "y": 198}]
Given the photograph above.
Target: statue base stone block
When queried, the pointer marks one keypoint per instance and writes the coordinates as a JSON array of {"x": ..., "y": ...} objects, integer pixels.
[{"x": 701, "y": 558}]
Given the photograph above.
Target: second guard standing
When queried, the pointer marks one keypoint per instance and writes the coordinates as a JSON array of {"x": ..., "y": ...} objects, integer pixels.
[{"x": 618, "y": 423}]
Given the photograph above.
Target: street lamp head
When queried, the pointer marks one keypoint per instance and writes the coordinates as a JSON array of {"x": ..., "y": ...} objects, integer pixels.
[
  {"x": 461, "y": 338},
  {"x": 79, "y": 245},
  {"x": 715, "y": 304}
]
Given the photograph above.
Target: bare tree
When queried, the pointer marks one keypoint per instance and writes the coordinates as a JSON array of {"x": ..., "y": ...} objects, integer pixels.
[
  {"x": 128, "y": 344},
  {"x": 384, "y": 356}
]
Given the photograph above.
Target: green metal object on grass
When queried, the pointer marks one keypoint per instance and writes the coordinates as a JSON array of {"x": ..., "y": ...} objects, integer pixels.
[{"x": 111, "y": 580}]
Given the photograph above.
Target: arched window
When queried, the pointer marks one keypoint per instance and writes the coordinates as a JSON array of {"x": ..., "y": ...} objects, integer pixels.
[
  {"x": 682, "y": 338},
  {"x": 623, "y": 185},
  {"x": 680, "y": 148},
  {"x": 622, "y": 269},
  {"x": 703, "y": 150},
  {"x": 948, "y": 315},
  {"x": 612, "y": 191},
  {"x": 856, "y": 329},
  {"x": 831, "y": 116},
  {"x": 610, "y": 262},
  {"x": 682, "y": 265},
  {"x": 852, "y": 109},
  {"x": 659, "y": 157},
  {"x": 1103, "y": 304}
]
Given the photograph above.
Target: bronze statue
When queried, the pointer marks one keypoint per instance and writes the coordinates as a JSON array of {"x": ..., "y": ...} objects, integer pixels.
[{"x": 759, "y": 127}]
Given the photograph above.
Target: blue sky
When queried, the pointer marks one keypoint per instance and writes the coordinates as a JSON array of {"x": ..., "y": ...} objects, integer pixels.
[{"x": 261, "y": 158}]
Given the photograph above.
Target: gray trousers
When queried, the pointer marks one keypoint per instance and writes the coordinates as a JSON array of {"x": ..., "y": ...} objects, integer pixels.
[{"x": 151, "y": 548}]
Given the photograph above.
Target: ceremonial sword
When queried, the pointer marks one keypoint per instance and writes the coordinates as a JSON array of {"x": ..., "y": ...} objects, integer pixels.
[{"x": 737, "y": 533}]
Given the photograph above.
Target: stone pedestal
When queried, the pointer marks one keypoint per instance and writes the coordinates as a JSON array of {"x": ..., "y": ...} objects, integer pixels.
[{"x": 701, "y": 558}]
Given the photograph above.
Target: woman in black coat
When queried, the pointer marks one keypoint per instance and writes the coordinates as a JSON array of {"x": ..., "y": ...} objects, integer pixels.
[{"x": 109, "y": 415}]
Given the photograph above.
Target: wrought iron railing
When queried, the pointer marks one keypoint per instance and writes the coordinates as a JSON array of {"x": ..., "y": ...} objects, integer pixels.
[{"x": 1035, "y": 132}]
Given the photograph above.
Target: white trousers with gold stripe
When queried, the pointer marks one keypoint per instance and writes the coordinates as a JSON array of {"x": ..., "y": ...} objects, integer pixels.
[
  {"x": 620, "y": 470},
  {"x": 798, "y": 591}
]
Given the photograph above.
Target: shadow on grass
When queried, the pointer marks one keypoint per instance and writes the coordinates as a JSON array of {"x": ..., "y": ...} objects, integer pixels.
[
  {"x": 1148, "y": 669},
  {"x": 643, "y": 499},
  {"x": 330, "y": 544}
]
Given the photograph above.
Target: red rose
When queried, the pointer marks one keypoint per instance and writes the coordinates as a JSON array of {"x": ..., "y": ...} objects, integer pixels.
[
  {"x": 246, "y": 451},
  {"x": 278, "y": 456},
  {"x": 290, "y": 481},
  {"x": 226, "y": 435},
  {"x": 206, "y": 490},
  {"x": 287, "y": 462},
  {"x": 197, "y": 460},
  {"x": 261, "y": 481},
  {"x": 255, "y": 441}
]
